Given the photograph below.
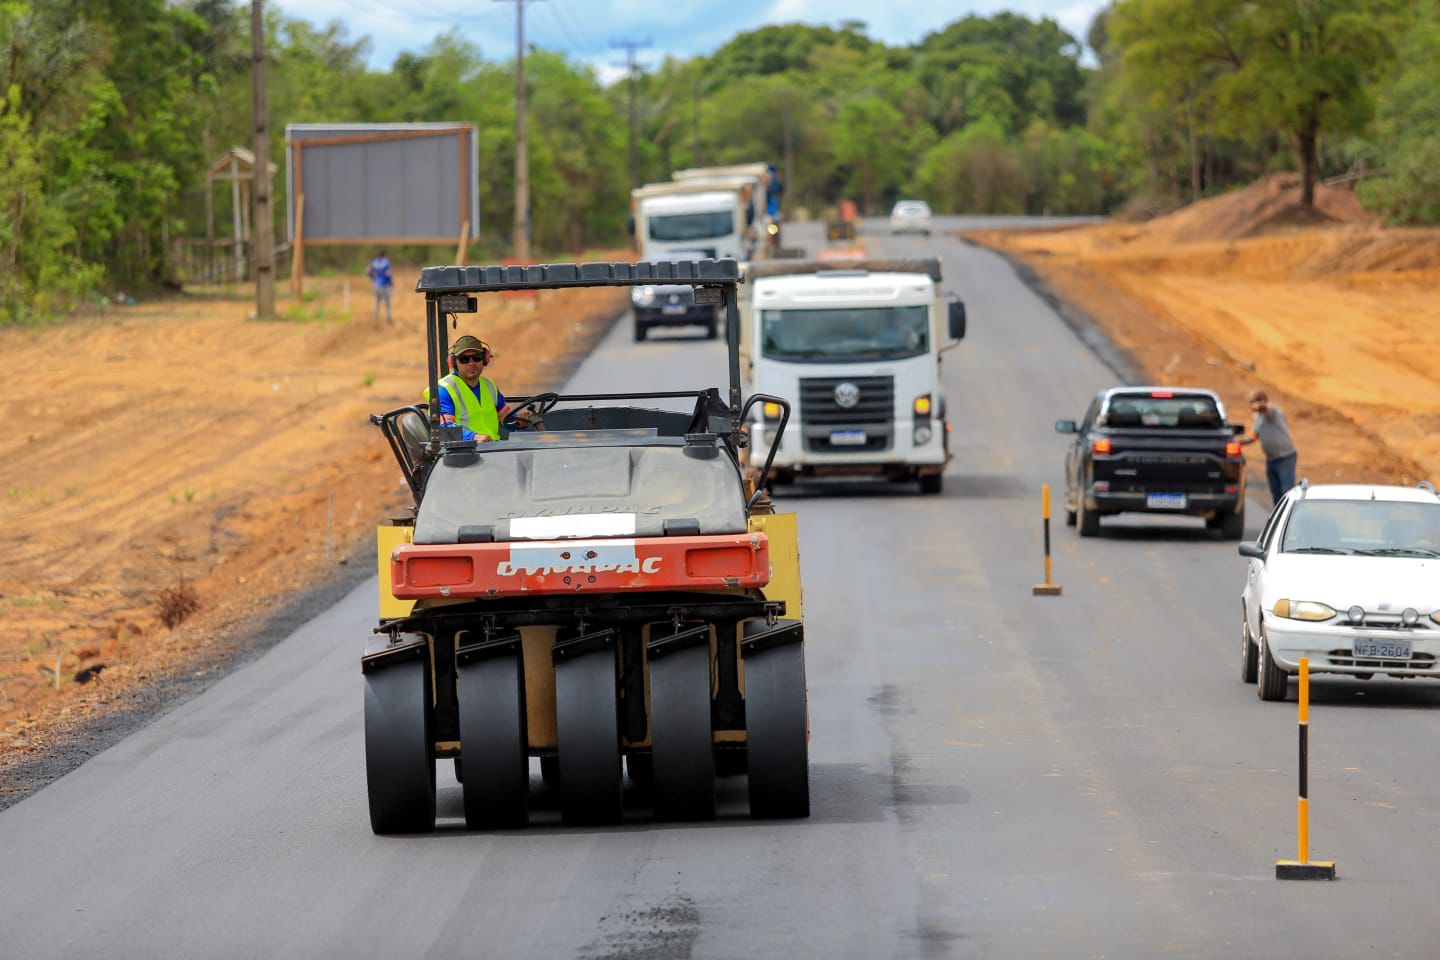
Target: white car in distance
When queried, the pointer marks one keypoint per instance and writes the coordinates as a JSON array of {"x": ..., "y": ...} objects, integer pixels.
[
  {"x": 910, "y": 216},
  {"x": 1348, "y": 576}
]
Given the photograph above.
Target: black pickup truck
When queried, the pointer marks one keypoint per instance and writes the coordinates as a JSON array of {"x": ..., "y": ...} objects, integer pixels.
[{"x": 1155, "y": 450}]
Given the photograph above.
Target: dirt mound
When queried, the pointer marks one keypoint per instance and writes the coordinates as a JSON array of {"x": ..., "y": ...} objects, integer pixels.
[{"x": 1268, "y": 204}]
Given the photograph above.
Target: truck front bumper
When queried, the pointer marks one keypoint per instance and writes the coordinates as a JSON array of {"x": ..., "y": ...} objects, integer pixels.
[{"x": 904, "y": 453}]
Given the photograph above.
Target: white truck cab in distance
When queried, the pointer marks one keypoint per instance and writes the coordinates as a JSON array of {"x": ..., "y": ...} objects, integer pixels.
[
  {"x": 701, "y": 217},
  {"x": 855, "y": 349}
]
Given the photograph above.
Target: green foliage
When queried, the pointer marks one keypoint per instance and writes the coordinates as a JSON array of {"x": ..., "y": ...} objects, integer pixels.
[{"x": 1407, "y": 129}]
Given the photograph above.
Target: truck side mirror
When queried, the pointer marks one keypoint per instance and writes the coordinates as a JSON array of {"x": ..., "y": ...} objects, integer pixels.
[
  {"x": 630, "y": 225},
  {"x": 957, "y": 319}
]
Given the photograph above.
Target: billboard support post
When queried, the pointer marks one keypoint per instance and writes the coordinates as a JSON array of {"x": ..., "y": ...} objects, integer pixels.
[{"x": 297, "y": 263}]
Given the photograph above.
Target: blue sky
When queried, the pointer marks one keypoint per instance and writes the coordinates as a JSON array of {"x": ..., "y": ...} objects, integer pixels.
[{"x": 585, "y": 28}]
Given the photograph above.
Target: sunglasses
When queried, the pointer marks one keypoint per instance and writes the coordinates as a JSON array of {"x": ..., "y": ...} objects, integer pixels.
[{"x": 470, "y": 358}]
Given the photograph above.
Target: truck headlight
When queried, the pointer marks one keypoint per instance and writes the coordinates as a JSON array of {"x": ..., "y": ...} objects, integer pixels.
[
  {"x": 922, "y": 435},
  {"x": 642, "y": 296},
  {"x": 1310, "y": 610},
  {"x": 771, "y": 410}
]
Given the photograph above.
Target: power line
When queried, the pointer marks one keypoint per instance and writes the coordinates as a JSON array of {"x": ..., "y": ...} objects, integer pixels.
[{"x": 630, "y": 46}]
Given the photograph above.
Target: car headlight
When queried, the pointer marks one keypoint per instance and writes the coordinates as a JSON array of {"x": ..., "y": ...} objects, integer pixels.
[
  {"x": 1311, "y": 610},
  {"x": 642, "y": 296}
]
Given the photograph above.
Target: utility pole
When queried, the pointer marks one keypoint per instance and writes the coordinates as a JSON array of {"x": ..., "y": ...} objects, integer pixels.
[
  {"x": 263, "y": 228},
  {"x": 630, "y": 46},
  {"x": 522, "y": 145}
]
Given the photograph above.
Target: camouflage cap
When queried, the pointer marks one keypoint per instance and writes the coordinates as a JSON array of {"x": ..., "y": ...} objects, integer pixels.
[{"x": 468, "y": 342}]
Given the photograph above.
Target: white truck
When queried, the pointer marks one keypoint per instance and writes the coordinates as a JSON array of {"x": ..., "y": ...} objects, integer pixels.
[
  {"x": 756, "y": 176},
  {"x": 685, "y": 221},
  {"x": 856, "y": 350}
]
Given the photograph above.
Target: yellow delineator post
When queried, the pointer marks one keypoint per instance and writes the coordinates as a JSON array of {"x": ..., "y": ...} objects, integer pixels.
[
  {"x": 1304, "y": 868},
  {"x": 1046, "y": 589}
]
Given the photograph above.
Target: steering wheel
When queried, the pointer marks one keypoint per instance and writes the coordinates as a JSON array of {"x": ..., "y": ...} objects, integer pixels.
[{"x": 538, "y": 406}]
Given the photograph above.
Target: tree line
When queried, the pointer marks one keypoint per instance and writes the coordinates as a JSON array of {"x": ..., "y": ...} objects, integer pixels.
[{"x": 112, "y": 110}]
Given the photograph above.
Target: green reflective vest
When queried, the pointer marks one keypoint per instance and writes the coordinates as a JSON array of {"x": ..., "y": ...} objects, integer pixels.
[{"x": 477, "y": 414}]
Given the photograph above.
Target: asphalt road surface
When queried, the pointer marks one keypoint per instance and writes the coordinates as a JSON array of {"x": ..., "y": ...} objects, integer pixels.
[{"x": 993, "y": 774}]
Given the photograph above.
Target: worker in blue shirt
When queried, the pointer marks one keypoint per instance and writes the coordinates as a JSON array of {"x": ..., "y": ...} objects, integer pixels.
[
  {"x": 469, "y": 399},
  {"x": 379, "y": 272}
]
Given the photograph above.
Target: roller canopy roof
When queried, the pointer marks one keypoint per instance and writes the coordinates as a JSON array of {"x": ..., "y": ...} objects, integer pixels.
[{"x": 548, "y": 276}]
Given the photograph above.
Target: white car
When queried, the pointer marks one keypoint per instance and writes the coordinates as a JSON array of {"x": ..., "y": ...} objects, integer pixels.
[
  {"x": 1347, "y": 575},
  {"x": 910, "y": 216}
]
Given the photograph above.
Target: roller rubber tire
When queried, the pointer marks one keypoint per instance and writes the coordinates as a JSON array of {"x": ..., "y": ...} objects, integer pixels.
[
  {"x": 1272, "y": 683},
  {"x": 494, "y": 755},
  {"x": 777, "y": 732},
  {"x": 682, "y": 746},
  {"x": 399, "y": 767},
  {"x": 588, "y": 735},
  {"x": 1249, "y": 655}
]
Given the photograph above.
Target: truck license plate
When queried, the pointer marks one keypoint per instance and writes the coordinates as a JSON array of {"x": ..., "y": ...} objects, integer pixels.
[
  {"x": 847, "y": 438},
  {"x": 673, "y": 310},
  {"x": 1382, "y": 649},
  {"x": 1165, "y": 501}
]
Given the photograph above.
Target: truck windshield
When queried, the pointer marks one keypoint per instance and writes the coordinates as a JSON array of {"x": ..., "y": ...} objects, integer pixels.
[
  {"x": 847, "y": 333},
  {"x": 1187, "y": 412},
  {"x": 692, "y": 226}
]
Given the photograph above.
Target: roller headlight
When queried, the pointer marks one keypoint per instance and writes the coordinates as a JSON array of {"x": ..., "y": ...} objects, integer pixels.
[
  {"x": 1310, "y": 610},
  {"x": 642, "y": 296}
]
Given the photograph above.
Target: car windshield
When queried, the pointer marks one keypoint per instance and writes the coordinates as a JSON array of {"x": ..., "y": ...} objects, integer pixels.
[
  {"x": 1167, "y": 411},
  {"x": 850, "y": 333},
  {"x": 1379, "y": 528},
  {"x": 692, "y": 226}
]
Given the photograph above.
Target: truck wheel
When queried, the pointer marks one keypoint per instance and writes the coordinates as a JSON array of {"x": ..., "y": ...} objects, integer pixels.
[
  {"x": 399, "y": 770},
  {"x": 1272, "y": 682},
  {"x": 712, "y": 330},
  {"x": 587, "y": 720},
  {"x": 1232, "y": 525},
  {"x": 640, "y": 331},
  {"x": 1088, "y": 521},
  {"x": 776, "y": 732},
  {"x": 682, "y": 744},
  {"x": 494, "y": 754},
  {"x": 932, "y": 482},
  {"x": 1249, "y": 656}
]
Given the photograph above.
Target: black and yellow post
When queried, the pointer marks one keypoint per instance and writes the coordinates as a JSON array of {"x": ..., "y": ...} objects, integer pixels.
[
  {"x": 1048, "y": 588},
  {"x": 1304, "y": 868}
]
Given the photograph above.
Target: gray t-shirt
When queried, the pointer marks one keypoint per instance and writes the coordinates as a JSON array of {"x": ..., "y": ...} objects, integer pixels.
[{"x": 1274, "y": 433}]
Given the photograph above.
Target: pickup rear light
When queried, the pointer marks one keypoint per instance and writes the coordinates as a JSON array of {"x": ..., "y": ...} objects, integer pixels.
[
  {"x": 1100, "y": 446},
  {"x": 1232, "y": 449}
]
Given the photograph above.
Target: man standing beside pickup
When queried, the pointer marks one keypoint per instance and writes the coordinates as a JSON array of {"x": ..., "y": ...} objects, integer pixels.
[{"x": 1273, "y": 432}]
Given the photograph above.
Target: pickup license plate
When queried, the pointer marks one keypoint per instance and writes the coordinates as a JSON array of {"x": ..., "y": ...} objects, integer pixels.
[
  {"x": 1382, "y": 649},
  {"x": 1165, "y": 501},
  {"x": 847, "y": 438},
  {"x": 673, "y": 310}
]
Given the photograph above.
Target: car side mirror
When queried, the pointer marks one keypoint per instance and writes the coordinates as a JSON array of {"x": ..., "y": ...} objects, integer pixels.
[
  {"x": 1066, "y": 426},
  {"x": 1251, "y": 549},
  {"x": 957, "y": 319},
  {"x": 1237, "y": 428}
]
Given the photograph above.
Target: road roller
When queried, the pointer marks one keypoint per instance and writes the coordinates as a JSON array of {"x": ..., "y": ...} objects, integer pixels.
[{"x": 603, "y": 591}]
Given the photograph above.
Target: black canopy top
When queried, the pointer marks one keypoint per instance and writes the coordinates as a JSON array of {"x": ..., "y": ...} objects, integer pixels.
[{"x": 550, "y": 276}]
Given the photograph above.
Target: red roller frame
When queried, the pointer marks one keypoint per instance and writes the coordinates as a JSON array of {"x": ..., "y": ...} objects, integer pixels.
[{"x": 516, "y": 568}]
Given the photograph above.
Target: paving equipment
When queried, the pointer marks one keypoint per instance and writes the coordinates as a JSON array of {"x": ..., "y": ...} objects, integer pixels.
[{"x": 608, "y": 588}]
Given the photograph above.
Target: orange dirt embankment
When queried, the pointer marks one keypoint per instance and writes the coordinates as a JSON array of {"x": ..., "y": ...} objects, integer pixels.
[
  {"x": 1337, "y": 318},
  {"x": 180, "y": 447}
]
